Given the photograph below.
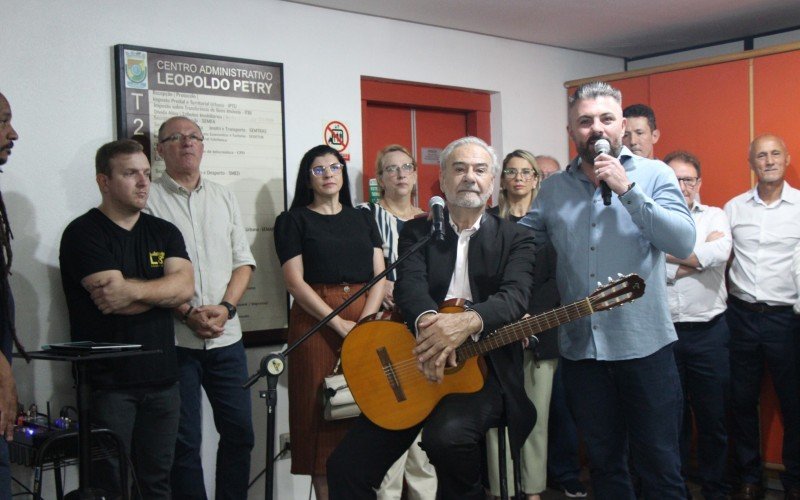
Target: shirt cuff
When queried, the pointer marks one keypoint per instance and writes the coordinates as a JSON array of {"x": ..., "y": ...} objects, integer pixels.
[
  {"x": 477, "y": 336},
  {"x": 632, "y": 199},
  {"x": 672, "y": 273},
  {"x": 423, "y": 313}
]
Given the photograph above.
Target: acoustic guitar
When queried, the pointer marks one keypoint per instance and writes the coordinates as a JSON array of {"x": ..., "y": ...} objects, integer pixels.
[{"x": 382, "y": 374}]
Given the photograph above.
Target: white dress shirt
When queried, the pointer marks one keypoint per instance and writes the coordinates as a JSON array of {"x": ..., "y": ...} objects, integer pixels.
[
  {"x": 459, "y": 284},
  {"x": 764, "y": 240},
  {"x": 701, "y": 296},
  {"x": 796, "y": 275}
]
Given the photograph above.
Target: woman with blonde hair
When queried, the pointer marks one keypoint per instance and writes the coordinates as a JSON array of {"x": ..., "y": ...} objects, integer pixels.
[
  {"x": 519, "y": 185},
  {"x": 396, "y": 172}
]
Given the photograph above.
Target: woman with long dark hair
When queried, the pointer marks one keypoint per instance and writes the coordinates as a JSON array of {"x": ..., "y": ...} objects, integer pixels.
[{"x": 327, "y": 250}]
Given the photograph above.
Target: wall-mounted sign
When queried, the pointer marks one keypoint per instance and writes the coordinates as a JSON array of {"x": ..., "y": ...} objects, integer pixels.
[
  {"x": 238, "y": 104},
  {"x": 337, "y": 136},
  {"x": 430, "y": 156}
]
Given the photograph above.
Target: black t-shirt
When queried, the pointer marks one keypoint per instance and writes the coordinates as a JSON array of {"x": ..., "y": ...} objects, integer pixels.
[
  {"x": 93, "y": 243},
  {"x": 335, "y": 248}
]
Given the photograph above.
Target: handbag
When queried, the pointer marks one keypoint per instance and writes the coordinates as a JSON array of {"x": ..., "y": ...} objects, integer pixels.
[{"x": 337, "y": 401}]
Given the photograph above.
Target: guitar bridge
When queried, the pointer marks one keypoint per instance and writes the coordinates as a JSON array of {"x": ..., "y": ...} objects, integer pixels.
[{"x": 391, "y": 376}]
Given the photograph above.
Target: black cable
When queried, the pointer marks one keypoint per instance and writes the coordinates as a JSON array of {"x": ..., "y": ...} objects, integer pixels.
[
  {"x": 285, "y": 448},
  {"x": 27, "y": 491},
  {"x": 122, "y": 453}
]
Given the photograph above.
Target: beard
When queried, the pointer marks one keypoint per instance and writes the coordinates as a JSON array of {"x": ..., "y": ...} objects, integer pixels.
[
  {"x": 471, "y": 199},
  {"x": 587, "y": 153}
]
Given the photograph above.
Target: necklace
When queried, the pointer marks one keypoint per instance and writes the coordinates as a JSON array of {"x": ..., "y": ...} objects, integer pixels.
[{"x": 408, "y": 214}]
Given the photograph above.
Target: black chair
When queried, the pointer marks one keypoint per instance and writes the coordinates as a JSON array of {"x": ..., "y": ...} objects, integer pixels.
[
  {"x": 60, "y": 448},
  {"x": 515, "y": 464}
]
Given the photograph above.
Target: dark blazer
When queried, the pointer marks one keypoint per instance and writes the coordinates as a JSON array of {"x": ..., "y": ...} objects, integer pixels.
[{"x": 501, "y": 263}]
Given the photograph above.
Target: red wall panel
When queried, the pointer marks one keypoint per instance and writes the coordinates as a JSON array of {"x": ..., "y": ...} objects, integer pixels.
[{"x": 706, "y": 111}]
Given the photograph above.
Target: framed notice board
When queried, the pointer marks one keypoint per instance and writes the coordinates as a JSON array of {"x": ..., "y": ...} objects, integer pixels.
[{"x": 238, "y": 104}]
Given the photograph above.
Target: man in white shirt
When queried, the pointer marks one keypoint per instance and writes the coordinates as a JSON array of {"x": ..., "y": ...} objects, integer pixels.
[
  {"x": 207, "y": 329},
  {"x": 697, "y": 294},
  {"x": 765, "y": 224}
]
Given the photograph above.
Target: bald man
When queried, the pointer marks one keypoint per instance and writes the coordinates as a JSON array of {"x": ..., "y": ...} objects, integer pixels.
[
  {"x": 765, "y": 225},
  {"x": 548, "y": 165}
]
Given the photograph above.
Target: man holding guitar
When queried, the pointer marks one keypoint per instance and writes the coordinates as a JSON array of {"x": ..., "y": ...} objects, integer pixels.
[{"x": 489, "y": 262}]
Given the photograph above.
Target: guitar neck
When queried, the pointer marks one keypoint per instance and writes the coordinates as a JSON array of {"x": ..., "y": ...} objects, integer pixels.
[{"x": 525, "y": 328}]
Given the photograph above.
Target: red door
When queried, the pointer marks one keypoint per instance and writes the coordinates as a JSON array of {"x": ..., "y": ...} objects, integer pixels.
[{"x": 424, "y": 119}]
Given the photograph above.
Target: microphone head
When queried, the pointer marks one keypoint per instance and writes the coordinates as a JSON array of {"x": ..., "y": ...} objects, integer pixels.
[
  {"x": 438, "y": 201},
  {"x": 602, "y": 146}
]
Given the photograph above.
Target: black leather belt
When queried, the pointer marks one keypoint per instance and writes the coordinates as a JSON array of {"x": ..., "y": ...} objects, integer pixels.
[{"x": 758, "y": 307}]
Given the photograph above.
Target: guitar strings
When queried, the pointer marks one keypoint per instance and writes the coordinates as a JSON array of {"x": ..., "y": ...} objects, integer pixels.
[
  {"x": 504, "y": 335},
  {"x": 407, "y": 376}
]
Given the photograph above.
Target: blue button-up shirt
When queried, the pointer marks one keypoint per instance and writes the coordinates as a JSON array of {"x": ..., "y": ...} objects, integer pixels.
[{"x": 594, "y": 242}]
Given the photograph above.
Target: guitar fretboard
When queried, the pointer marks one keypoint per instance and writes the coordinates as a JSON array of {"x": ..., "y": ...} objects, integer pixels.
[{"x": 525, "y": 328}]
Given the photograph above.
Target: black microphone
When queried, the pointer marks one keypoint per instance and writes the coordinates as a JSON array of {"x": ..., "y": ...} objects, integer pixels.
[
  {"x": 602, "y": 146},
  {"x": 436, "y": 205}
]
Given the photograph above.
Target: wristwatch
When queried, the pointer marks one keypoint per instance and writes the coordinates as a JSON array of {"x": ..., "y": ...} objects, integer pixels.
[{"x": 230, "y": 307}]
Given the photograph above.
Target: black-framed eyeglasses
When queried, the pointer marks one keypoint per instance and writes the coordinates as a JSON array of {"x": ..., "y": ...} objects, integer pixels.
[
  {"x": 393, "y": 169},
  {"x": 689, "y": 181},
  {"x": 334, "y": 169},
  {"x": 526, "y": 173},
  {"x": 182, "y": 137}
]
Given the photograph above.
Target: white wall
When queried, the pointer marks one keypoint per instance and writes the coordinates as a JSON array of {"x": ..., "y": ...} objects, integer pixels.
[{"x": 57, "y": 71}]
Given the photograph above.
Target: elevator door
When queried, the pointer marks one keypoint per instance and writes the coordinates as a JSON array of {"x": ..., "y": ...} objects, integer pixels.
[{"x": 423, "y": 119}]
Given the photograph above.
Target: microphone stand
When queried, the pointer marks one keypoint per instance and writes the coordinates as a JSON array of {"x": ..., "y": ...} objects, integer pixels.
[{"x": 273, "y": 364}]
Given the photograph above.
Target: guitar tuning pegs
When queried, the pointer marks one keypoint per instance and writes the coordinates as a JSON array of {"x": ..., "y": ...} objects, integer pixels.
[
  {"x": 610, "y": 279},
  {"x": 619, "y": 275},
  {"x": 599, "y": 284}
]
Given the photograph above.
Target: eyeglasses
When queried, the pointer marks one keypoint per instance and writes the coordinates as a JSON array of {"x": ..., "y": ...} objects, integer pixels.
[
  {"x": 689, "y": 181},
  {"x": 181, "y": 137},
  {"x": 393, "y": 169},
  {"x": 333, "y": 168},
  {"x": 526, "y": 173}
]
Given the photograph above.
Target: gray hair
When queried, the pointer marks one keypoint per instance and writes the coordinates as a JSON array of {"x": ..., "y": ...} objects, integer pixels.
[
  {"x": 448, "y": 150},
  {"x": 172, "y": 119},
  {"x": 593, "y": 90}
]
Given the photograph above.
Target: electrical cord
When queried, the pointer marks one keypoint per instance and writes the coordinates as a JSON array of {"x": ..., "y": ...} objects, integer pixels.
[
  {"x": 285, "y": 448},
  {"x": 27, "y": 491}
]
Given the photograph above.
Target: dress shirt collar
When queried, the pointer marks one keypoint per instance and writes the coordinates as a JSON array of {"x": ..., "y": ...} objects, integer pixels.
[
  {"x": 788, "y": 194},
  {"x": 170, "y": 183},
  {"x": 469, "y": 230}
]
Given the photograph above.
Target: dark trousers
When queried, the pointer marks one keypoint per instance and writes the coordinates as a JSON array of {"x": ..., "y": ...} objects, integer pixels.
[
  {"x": 636, "y": 401},
  {"x": 562, "y": 436},
  {"x": 757, "y": 337},
  {"x": 452, "y": 437},
  {"x": 701, "y": 354},
  {"x": 221, "y": 373},
  {"x": 147, "y": 422},
  {"x": 5, "y": 471}
]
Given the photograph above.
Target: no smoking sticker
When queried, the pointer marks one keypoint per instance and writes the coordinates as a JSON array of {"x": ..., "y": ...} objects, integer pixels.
[{"x": 337, "y": 136}]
